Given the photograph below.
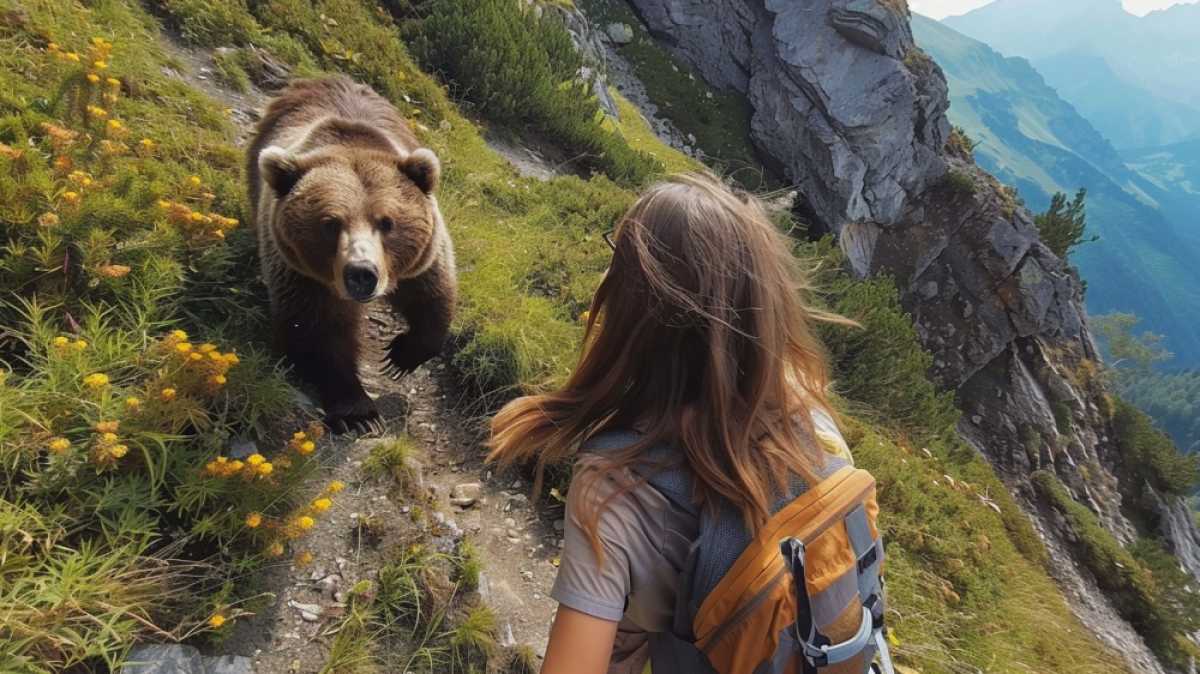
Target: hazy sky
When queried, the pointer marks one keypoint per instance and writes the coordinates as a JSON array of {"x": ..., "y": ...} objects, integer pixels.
[{"x": 942, "y": 8}]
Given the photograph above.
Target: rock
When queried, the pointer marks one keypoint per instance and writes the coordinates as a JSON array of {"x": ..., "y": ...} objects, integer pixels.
[
  {"x": 464, "y": 495},
  {"x": 180, "y": 659},
  {"x": 310, "y": 613},
  {"x": 619, "y": 33},
  {"x": 560, "y": 525},
  {"x": 833, "y": 99}
]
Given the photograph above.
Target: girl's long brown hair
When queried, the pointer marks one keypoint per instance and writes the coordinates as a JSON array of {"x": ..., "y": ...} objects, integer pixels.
[{"x": 699, "y": 336}]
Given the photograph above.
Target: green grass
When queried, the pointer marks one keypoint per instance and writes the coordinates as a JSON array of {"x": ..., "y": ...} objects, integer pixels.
[
  {"x": 718, "y": 120},
  {"x": 109, "y": 432},
  {"x": 1139, "y": 596},
  {"x": 396, "y": 459}
]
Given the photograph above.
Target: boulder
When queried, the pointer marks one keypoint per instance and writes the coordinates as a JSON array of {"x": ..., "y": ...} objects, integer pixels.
[
  {"x": 619, "y": 33},
  {"x": 180, "y": 659}
]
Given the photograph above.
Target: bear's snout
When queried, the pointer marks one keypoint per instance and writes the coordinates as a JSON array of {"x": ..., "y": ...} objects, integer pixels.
[{"x": 360, "y": 280}]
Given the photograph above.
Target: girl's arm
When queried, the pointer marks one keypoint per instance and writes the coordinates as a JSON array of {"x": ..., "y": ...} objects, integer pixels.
[{"x": 579, "y": 643}]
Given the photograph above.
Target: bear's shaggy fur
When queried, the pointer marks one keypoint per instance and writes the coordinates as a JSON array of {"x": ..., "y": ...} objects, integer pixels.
[{"x": 343, "y": 198}]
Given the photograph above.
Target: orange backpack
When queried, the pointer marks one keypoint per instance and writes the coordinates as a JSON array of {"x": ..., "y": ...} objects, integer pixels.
[{"x": 804, "y": 596}]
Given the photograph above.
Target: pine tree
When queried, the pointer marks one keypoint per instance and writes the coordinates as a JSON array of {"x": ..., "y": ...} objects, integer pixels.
[{"x": 1063, "y": 226}]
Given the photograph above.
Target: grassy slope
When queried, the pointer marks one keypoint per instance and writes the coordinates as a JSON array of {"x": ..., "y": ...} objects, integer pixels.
[{"x": 963, "y": 592}]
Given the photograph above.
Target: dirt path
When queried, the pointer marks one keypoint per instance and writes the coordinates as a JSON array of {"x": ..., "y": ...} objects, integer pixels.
[{"x": 517, "y": 543}]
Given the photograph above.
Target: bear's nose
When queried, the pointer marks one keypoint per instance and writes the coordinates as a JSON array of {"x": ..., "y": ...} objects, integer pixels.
[{"x": 360, "y": 280}]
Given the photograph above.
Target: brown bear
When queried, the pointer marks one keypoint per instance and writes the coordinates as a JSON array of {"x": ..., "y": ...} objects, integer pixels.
[{"x": 343, "y": 198}]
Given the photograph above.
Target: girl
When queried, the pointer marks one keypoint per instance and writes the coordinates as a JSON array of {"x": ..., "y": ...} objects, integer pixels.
[{"x": 699, "y": 340}]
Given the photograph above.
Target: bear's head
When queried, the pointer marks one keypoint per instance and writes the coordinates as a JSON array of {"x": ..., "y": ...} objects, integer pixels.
[{"x": 357, "y": 220}]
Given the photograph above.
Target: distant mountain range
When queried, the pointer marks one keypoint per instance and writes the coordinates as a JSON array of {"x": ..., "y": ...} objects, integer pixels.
[
  {"x": 1142, "y": 202},
  {"x": 1134, "y": 78}
]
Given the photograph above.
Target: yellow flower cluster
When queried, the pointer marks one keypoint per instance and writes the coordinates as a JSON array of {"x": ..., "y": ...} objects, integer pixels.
[
  {"x": 197, "y": 225},
  {"x": 113, "y": 270},
  {"x": 10, "y": 152},
  {"x": 203, "y": 368},
  {"x": 107, "y": 448},
  {"x": 304, "y": 443},
  {"x": 96, "y": 381},
  {"x": 58, "y": 445},
  {"x": 60, "y": 138},
  {"x": 216, "y": 621},
  {"x": 63, "y": 344}
]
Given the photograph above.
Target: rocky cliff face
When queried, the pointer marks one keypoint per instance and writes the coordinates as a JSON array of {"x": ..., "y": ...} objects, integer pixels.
[
  {"x": 834, "y": 103},
  {"x": 855, "y": 115}
]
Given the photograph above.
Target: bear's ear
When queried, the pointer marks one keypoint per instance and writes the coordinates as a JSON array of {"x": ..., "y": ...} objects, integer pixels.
[
  {"x": 280, "y": 168},
  {"x": 423, "y": 168}
]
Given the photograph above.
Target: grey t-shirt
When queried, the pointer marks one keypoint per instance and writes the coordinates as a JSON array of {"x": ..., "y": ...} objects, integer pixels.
[{"x": 645, "y": 541}]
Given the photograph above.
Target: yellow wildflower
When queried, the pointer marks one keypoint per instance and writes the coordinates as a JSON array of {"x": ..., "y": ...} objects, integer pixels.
[
  {"x": 179, "y": 334},
  {"x": 100, "y": 65},
  {"x": 108, "y": 438},
  {"x": 134, "y": 404},
  {"x": 207, "y": 347},
  {"x": 167, "y": 394},
  {"x": 321, "y": 505},
  {"x": 107, "y": 426},
  {"x": 113, "y": 270},
  {"x": 183, "y": 347},
  {"x": 216, "y": 621},
  {"x": 335, "y": 486},
  {"x": 72, "y": 198},
  {"x": 115, "y": 126},
  {"x": 255, "y": 459},
  {"x": 304, "y": 559},
  {"x": 275, "y": 550},
  {"x": 96, "y": 111},
  {"x": 93, "y": 78},
  {"x": 59, "y": 445},
  {"x": 194, "y": 181},
  {"x": 97, "y": 380},
  {"x": 62, "y": 164},
  {"x": 193, "y": 356},
  {"x": 79, "y": 345},
  {"x": 60, "y": 342},
  {"x": 52, "y": 47},
  {"x": 253, "y": 520},
  {"x": 304, "y": 522},
  {"x": 306, "y": 447},
  {"x": 231, "y": 358},
  {"x": 236, "y": 466},
  {"x": 113, "y": 82},
  {"x": 264, "y": 469},
  {"x": 216, "y": 379},
  {"x": 299, "y": 436},
  {"x": 148, "y": 146},
  {"x": 117, "y": 451},
  {"x": 72, "y": 56},
  {"x": 48, "y": 220}
]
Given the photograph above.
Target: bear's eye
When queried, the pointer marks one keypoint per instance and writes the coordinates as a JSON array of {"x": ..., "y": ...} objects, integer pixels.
[
  {"x": 331, "y": 224},
  {"x": 386, "y": 225}
]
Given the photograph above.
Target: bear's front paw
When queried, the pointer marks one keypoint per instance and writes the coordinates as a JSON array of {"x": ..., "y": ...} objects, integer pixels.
[
  {"x": 406, "y": 353},
  {"x": 359, "y": 416}
]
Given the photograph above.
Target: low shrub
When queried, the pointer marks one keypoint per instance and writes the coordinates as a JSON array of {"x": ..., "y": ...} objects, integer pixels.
[
  {"x": 520, "y": 67},
  {"x": 1149, "y": 455}
]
